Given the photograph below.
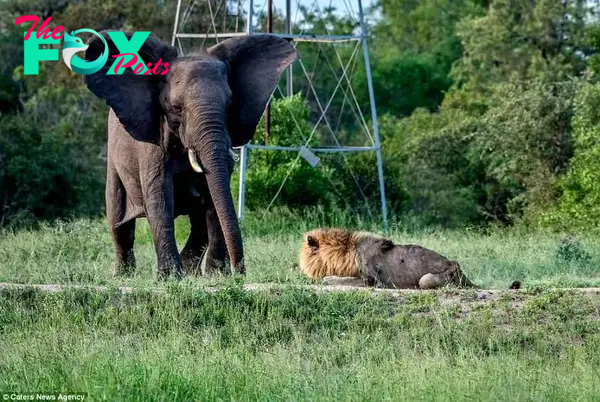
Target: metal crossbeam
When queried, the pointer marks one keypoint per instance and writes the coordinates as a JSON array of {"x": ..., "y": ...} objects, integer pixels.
[
  {"x": 296, "y": 38},
  {"x": 313, "y": 149}
]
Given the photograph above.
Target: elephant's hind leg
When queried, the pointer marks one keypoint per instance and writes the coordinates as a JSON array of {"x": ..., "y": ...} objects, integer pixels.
[
  {"x": 191, "y": 255},
  {"x": 122, "y": 234},
  {"x": 123, "y": 238},
  {"x": 216, "y": 253}
]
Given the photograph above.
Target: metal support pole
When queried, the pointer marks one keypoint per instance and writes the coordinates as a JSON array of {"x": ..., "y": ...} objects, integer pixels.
[
  {"x": 244, "y": 149},
  {"x": 288, "y": 30},
  {"x": 250, "y": 10},
  {"x": 225, "y": 16},
  {"x": 373, "y": 116},
  {"x": 176, "y": 23},
  {"x": 237, "y": 16},
  {"x": 268, "y": 111},
  {"x": 242, "y": 189}
]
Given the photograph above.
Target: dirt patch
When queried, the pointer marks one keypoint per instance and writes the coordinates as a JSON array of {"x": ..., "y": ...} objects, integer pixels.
[{"x": 481, "y": 295}]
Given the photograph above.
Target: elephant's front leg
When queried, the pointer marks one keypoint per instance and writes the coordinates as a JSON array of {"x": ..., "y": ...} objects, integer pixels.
[{"x": 159, "y": 205}]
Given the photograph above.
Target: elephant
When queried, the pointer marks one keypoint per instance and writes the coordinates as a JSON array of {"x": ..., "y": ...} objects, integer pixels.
[{"x": 170, "y": 140}]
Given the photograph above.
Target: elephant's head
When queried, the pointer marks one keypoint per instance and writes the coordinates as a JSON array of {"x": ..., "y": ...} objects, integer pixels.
[{"x": 209, "y": 102}]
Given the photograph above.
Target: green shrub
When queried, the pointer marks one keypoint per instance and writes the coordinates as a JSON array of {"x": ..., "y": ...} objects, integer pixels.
[
  {"x": 570, "y": 249},
  {"x": 525, "y": 143},
  {"x": 428, "y": 167},
  {"x": 579, "y": 205},
  {"x": 267, "y": 170},
  {"x": 52, "y": 157},
  {"x": 35, "y": 178},
  {"x": 404, "y": 82}
]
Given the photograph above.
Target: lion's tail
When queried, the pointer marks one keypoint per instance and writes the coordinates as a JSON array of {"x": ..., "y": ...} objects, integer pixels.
[
  {"x": 466, "y": 282},
  {"x": 461, "y": 278}
]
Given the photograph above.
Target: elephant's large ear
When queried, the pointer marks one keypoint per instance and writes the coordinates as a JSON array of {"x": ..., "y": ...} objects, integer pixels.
[
  {"x": 133, "y": 97},
  {"x": 256, "y": 63}
]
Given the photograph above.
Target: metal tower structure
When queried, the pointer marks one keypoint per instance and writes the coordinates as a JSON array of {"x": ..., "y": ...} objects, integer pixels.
[{"x": 228, "y": 18}]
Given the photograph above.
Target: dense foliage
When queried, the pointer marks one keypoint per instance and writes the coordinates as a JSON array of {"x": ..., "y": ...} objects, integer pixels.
[{"x": 488, "y": 112}]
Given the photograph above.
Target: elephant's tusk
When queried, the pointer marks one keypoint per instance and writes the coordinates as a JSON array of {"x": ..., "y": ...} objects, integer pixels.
[
  {"x": 233, "y": 155},
  {"x": 194, "y": 161}
]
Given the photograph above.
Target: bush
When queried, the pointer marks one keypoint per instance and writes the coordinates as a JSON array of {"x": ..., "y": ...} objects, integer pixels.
[
  {"x": 428, "y": 167},
  {"x": 404, "y": 82},
  {"x": 267, "y": 170},
  {"x": 340, "y": 182},
  {"x": 570, "y": 249},
  {"x": 52, "y": 157},
  {"x": 579, "y": 205},
  {"x": 524, "y": 143},
  {"x": 35, "y": 178}
]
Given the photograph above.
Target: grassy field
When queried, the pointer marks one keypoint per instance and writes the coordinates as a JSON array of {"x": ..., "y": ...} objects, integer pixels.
[
  {"x": 294, "y": 344},
  {"x": 80, "y": 252}
]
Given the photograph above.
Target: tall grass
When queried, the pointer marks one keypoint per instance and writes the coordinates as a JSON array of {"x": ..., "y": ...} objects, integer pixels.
[
  {"x": 292, "y": 344},
  {"x": 296, "y": 345},
  {"x": 80, "y": 251}
]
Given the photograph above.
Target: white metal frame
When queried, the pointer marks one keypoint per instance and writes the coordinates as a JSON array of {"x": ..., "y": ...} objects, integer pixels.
[{"x": 361, "y": 39}]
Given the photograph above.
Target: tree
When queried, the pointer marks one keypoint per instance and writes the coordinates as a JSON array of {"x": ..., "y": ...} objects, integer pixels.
[
  {"x": 519, "y": 40},
  {"x": 430, "y": 173},
  {"x": 414, "y": 47},
  {"x": 425, "y": 26},
  {"x": 525, "y": 144},
  {"x": 579, "y": 205}
]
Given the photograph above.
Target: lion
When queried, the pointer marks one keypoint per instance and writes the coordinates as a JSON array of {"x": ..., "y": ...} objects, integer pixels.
[{"x": 345, "y": 257}]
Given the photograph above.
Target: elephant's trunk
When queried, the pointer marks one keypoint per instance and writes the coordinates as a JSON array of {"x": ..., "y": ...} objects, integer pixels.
[{"x": 214, "y": 155}]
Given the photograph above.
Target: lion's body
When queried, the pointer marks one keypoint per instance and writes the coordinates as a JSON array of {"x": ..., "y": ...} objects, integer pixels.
[{"x": 329, "y": 253}]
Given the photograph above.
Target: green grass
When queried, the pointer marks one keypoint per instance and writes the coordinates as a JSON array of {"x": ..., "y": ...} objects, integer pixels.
[
  {"x": 80, "y": 252},
  {"x": 294, "y": 344}
]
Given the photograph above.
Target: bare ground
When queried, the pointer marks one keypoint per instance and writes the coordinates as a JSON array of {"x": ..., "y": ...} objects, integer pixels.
[{"x": 481, "y": 294}]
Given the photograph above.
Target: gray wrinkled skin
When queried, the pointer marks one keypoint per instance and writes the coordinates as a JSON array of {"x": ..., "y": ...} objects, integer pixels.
[{"x": 207, "y": 104}]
